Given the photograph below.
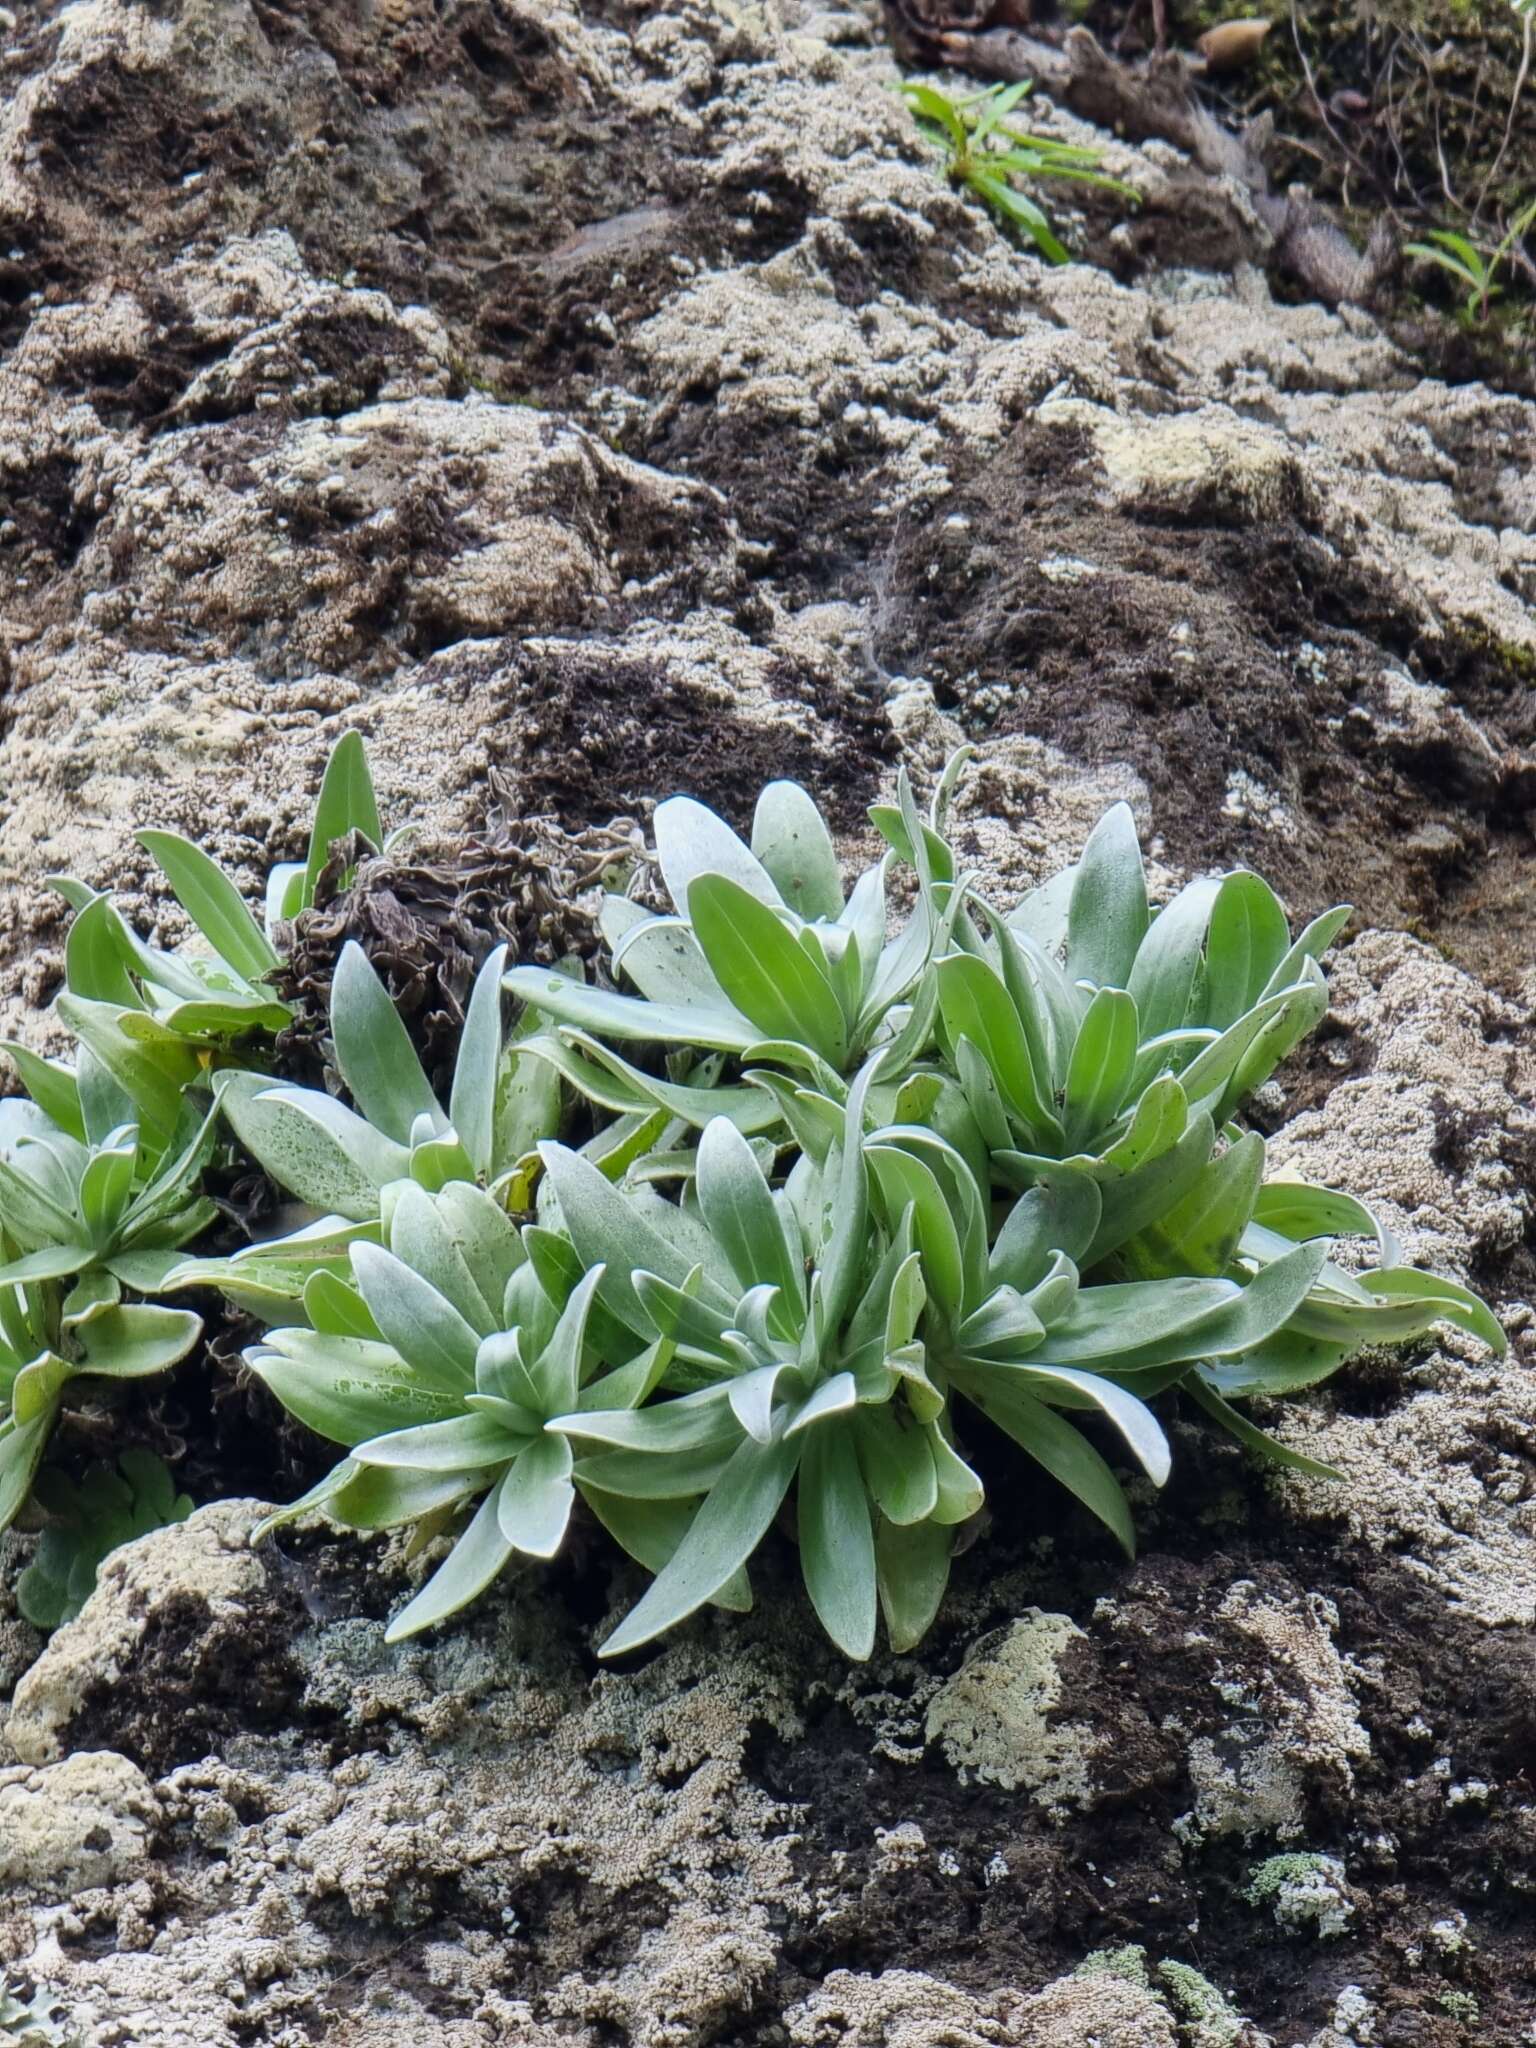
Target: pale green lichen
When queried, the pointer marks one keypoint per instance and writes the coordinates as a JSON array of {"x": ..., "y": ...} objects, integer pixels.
[{"x": 1307, "y": 1894}]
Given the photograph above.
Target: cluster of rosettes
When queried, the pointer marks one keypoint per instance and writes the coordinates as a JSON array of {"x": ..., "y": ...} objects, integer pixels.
[{"x": 847, "y": 1197}]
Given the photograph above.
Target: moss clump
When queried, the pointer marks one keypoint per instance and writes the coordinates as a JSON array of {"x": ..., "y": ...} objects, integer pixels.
[
  {"x": 1212, "y": 2020},
  {"x": 1128, "y": 1963},
  {"x": 1307, "y": 1894}
]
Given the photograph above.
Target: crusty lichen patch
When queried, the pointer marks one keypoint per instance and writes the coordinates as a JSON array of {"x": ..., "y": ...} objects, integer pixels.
[{"x": 997, "y": 1718}]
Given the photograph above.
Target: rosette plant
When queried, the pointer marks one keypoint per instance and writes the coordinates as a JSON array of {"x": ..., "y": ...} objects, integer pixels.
[
  {"x": 156, "y": 1018},
  {"x": 1090, "y": 1028},
  {"x": 762, "y": 958},
  {"x": 796, "y": 1321},
  {"x": 87, "y": 1208},
  {"x": 84, "y": 1191},
  {"x": 443, "y": 1366},
  {"x": 340, "y": 1161}
]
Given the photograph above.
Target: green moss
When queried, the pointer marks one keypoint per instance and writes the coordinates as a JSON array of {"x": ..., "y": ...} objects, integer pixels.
[
  {"x": 1213, "y": 2020},
  {"x": 1461, "y": 2005},
  {"x": 1129, "y": 1963}
]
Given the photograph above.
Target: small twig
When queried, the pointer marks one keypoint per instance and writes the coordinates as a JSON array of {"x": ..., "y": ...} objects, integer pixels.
[
  {"x": 1350, "y": 155},
  {"x": 1509, "y": 124}
]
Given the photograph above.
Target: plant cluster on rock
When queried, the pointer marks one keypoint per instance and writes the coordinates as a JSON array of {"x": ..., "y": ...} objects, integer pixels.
[{"x": 878, "y": 1168}]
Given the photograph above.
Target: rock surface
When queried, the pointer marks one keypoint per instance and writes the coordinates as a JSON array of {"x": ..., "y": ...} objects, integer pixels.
[{"x": 611, "y": 396}]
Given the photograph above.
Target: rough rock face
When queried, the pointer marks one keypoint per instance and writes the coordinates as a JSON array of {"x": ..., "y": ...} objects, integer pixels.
[{"x": 610, "y": 395}]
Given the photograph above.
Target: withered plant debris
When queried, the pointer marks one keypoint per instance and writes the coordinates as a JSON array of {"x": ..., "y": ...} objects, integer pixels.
[{"x": 428, "y": 914}]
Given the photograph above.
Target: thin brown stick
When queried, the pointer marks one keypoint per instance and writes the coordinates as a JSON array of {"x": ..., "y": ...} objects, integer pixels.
[{"x": 1509, "y": 124}]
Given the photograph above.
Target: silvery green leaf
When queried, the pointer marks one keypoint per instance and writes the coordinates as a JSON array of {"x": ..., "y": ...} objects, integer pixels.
[
  {"x": 346, "y": 804},
  {"x": 471, "y": 1565},
  {"x": 346, "y": 1388},
  {"x": 904, "y": 1181},
  {"x": 284, "y": 897},
  {"x": 1042, "y": 915},
  {"x": 382, "y": 1497},
  {"x": 212, "y": 902},
  {"x": 48, "y": 1262},
  {"x": 1058, "y": 1214},
  {"x": 1158, "y": 1122},
  {"x": 374, "y": 1051},
  {"x": 128, "y": 1343},
  {"x": 1298, "y": 1210},
  {"x": 1201, "y": 1233},
  {"x": 897, "y": 1462},
  {"x": 977, "y": 1006},
  {"x": 1311, "y": 945},
  {"x": 457, "y": 1444},
  {"x": 311, "y": 1145},
  {"x": 21, "y": 1449},
  {"x": 1050, "y": 1007},
  {"x": 336, "y": 1309},
  {"x": 983, "y": 1095},
  {"x": 897, "y": 967},
  {"x": 1256, "y": 1312},
  {"x": 1285, "y": 1363},
  {"x": 1123, "y": 1318},
  {"x": 842, "y": 1245},
  {"x": 96, "y": 1290},
  {"x": 912, "y": 1566},
  {"x": 739, "y": 1210},
  {"x": 426, "y": 1330},
  {"x": 766, "y": 976},
  {"x": 1405, "y": 1303},
  {"x": 534, "y": 1500},
  {"x": 651, "y": 1530},
  {"x": 1253, "y": 1440},
  {"x": 688, "y": 1422},
  {"x": 557, "y": 1372},
  {"x": 691, "y": 841},
  {"x": 1168, "y": 961},
  {"x": 1130, "y": 1201},
  {"x": 1003, "y": 1326},
  {"x": 598, "y": 1073},
  {"x": 421, "y": 1236},
  {"x": 960, "y": 1492},
  {"x": 607, "y": 1230},
  {"x": 677, "y": 1314},
  {"x": 1249, "y": 938},
  {"x": 835, "y": 1396},
  {"x": 628, "y": 1017},
  {"x": 735, "y": 1517},
  {"x": 837, "y": 1548},
  {"x": 53, "y": 1087},
  {"x": 1052, "y": 1297},
  {"x": 751, "y": 1396},
  {"x": 501, "y": 1370},
  {"x": 863, "y": 918},
  {"x": 1107, "y": 916},
  {"x": 681, "y": 1475},
  {"x": 1100, "y": 1067},
  {"x": 484, "y": 1233},
  {"x": 1062, "y": 1450},
  {"x": 477, "y": 1073},
  {"x": 662, "y": 958},
  {"x": 1205, "y": 1080},
  {"x": 791, "y": 840},
  {"x": 1133, "y": 1418}
]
